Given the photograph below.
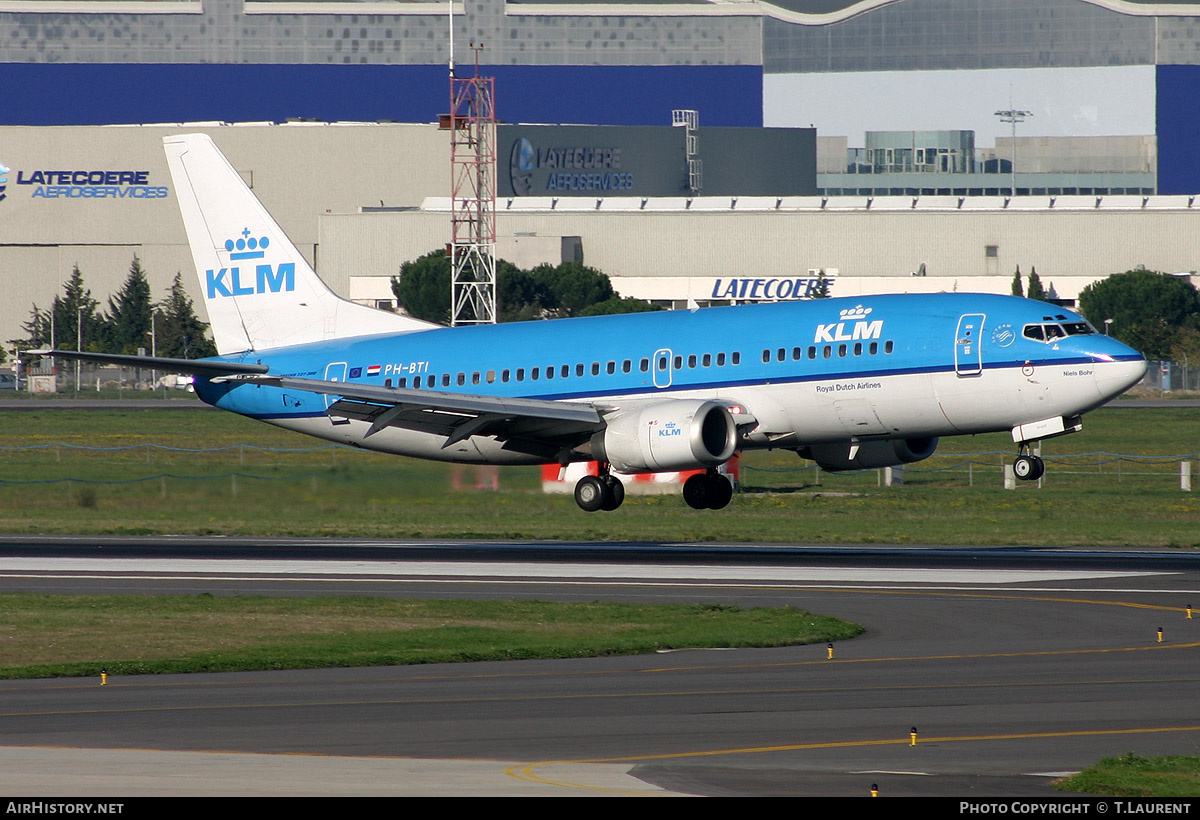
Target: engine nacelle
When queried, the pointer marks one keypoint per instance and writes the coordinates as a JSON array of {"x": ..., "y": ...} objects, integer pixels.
[
  {"x": 871, "y": 454},
  {"x": 671, "y": 435}
]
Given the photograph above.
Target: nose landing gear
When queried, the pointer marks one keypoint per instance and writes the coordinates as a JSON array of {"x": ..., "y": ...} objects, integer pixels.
[{"x": 1028, "y": 467}]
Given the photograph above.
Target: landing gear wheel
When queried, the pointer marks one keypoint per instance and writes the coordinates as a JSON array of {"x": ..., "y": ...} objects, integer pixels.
[
  {"x": 696, "y": 491},
  {"x": 614, "y": 493},
  {"x": 591, "y": 493},
  {"x": 707, "y": 491},
  {"x": 722, "y": 493},
  {"x": 1029, "y": 468}
]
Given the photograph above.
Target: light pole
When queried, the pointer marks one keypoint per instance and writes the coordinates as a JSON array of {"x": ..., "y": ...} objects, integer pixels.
[
  {"x": 153, "y": 334},
  {"x": 78, "y": 345},
  {"x": 1013, "y": 116}
]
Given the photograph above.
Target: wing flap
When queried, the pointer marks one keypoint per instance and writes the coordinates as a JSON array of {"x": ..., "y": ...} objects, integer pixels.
[{"x": 436, "y": 401}]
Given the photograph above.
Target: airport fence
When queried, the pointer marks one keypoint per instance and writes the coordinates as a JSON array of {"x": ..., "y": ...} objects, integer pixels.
[{"x": 238, "y": 466}]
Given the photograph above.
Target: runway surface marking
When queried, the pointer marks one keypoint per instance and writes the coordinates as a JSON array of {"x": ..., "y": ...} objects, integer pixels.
[
  {"x": 556, "y": 570},
  {"x": 678, "y": 693},
  {"x": 527, "y": 772}
]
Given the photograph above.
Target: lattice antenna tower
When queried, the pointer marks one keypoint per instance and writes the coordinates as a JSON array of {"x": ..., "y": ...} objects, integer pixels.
[{"x": 473, "y": 197}]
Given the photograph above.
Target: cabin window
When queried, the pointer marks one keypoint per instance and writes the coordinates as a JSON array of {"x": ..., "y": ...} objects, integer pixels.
[
  {"x": 626, "y": 366},
  {"x": 432, "y": 380},
  {"x": 735, "y": 357},
  {"x": 504, "y": 375},
  {"x": 520, "y": 374},
  {"x": 387, "y": 382},
  {"x": 797, "y": 353},
  {"x": 475, "y": 377},
  {"x": 692, "y": 360},
  {"x": 644, "y": 365},
  {"x": 550, "y": 372},
  {"x": 662, "y": 362},
  {"x": 579, "y": 369},
  {"x": 611, "y": 368},
  {"x": 462, "y": 378},
  {"x": 720, "y": 360},
  {"x": 874, "y": 348},
  {"x": 679, "y": 363},
  {"x": 812, "y": 351},
  {"x": 706, "y": 360},
  {"x": 841, "y": 351},
  {"x": 566, "y": 371},
  {"x": 404, "y": 381},
  {"x": 491, "y": 377},
  {"x": 827, "y": 351},
  {"x": 416, "y": 382},
  {"x": 533, "y": 374},
  {"x": 766, "y": 356},
  {"x": 595, "y": 368},
  {"x": 887, "y": 346},
  {"x": 858, "y": 348},
  {"x": 781, "y": 354}
]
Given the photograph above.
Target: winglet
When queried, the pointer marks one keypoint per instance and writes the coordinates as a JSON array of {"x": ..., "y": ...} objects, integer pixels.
[{"x": 259, "y": 290}]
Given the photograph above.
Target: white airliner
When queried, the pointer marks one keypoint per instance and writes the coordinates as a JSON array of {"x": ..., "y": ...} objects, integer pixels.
[{"x": 848, "y": 383}]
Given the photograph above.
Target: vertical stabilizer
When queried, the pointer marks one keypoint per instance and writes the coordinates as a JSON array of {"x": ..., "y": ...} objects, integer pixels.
[{"x": 259, "y": 291}]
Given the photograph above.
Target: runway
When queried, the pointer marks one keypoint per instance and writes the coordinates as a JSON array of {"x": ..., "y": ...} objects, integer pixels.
[{"x": 1014, "y": 665}]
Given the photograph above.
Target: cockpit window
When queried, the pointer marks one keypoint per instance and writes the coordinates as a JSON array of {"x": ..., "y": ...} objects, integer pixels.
[{"x": 1049, "y": 331}]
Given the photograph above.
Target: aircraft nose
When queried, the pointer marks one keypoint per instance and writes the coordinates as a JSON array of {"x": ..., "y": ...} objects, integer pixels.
[{"x": 1114, "y": 378}]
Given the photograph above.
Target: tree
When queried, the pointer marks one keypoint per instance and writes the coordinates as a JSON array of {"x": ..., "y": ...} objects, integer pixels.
[
  {"x": 1035, "y": 289},
  {"x": 39, "y": 330},
  {"x": 129, "y": 312},
  {"x": 180, "y": 333},
  {"x": 1149, "y": 310},
  {"x": 821, "y": 291},
  {"x": 546, "y": 292},
  {"x": 568, "y": 288},
  {"x": 423, "y": 287},
  {"x": 1017, "y": 290},
  {"x": 73, "y": 317},
  {"x": 619, "y": 304}
]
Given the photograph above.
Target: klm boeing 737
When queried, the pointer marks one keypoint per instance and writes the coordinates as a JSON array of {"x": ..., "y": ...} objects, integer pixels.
[{"x": 848, "y": 383}]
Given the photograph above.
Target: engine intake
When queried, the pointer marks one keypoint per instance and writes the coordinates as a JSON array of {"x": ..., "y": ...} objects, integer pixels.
[
  {"x": 670, "y": 435},
  {"x": 871, "y": 454}
]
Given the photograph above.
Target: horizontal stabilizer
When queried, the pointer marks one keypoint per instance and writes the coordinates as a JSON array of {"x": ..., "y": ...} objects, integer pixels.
[{"x": 199, "y": 367}]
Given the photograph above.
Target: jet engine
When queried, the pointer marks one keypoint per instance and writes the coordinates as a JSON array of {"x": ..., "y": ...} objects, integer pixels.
[
  {"x": 671, "y": 435},
  {"x": 870, "y": 454}
]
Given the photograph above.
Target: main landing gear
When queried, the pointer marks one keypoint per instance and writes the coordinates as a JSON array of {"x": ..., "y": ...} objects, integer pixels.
[
  {"x": 704, "y": 491},
  {"x": 707, "y": 491},
  {"x": 1028, "y": 467},
  {"x": 599, "y": 492}
]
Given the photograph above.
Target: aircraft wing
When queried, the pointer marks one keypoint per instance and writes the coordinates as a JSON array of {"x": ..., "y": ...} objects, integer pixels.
[
  {"x": 200, "y": 367},
  {"x": 527, "y": 425}
]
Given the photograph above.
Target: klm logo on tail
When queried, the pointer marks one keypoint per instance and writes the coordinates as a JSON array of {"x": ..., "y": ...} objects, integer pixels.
[{"x": 266, "y": 279}]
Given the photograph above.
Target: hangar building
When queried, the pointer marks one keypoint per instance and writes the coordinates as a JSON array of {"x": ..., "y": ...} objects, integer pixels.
[{"x": 1111, "y": 80}]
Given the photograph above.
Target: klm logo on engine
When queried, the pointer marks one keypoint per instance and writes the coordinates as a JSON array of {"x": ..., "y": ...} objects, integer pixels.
[
  {"x": 232, "y": 281},
  {"x": 669, "y": 429},
  {"x": 853, "y": 327}
]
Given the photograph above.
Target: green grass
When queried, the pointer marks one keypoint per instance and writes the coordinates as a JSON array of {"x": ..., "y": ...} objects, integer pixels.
[
  {"x": 76, "y": 635},
  {"x": 1134, "y": 776},
  {"x": 956, "y": 497}
]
